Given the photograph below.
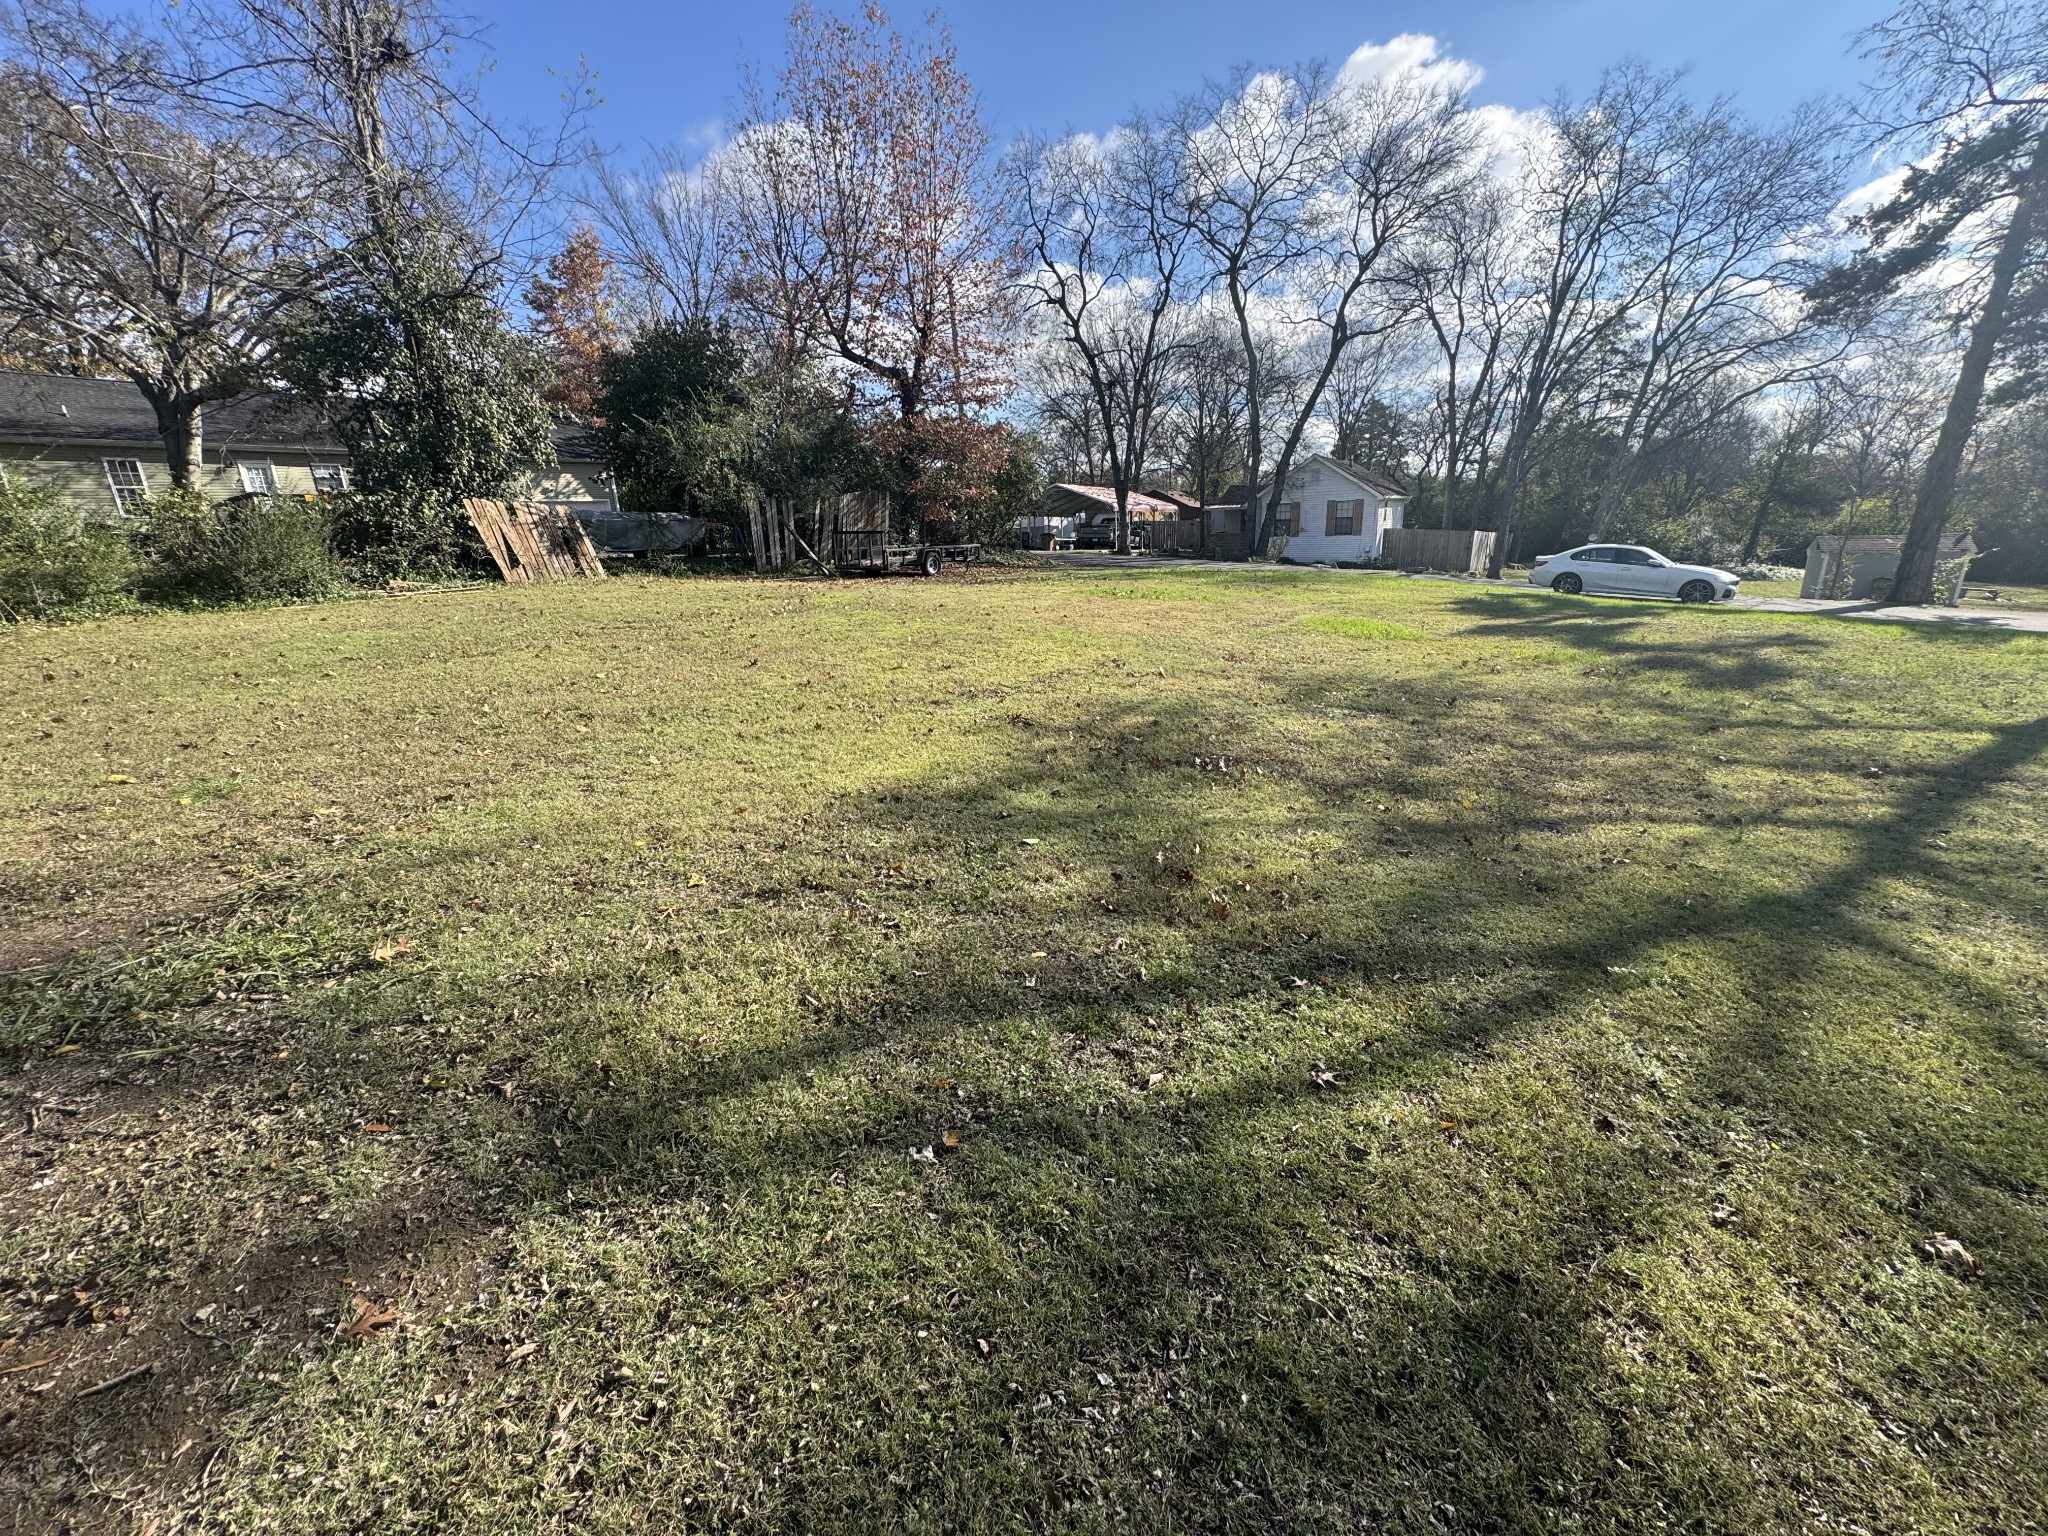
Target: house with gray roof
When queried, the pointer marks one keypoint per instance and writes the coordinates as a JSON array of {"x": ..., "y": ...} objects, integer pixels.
[{"x": 95, "y": 441}]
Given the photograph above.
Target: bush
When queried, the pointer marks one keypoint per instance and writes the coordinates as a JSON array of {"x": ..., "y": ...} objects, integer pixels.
[
  {"x": 53, "y": 562},
  {"x": 251, "y": 549}
]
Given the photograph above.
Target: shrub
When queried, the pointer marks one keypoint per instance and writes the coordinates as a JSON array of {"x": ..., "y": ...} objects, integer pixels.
[
  {"x": 251, "y": 549},
  {"x": 53, "y": 562}
]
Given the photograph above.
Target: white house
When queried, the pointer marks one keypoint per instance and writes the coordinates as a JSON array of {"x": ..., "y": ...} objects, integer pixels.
[{"x": 1335, "y": 511}]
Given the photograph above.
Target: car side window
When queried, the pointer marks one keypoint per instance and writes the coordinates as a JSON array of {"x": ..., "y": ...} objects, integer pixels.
[
  {"x": 1591, "y": 554},
  {"x": 1630, "y": 557}
]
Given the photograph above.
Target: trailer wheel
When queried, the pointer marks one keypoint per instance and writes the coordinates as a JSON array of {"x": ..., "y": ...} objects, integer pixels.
[{"x": 930, "y": 562}]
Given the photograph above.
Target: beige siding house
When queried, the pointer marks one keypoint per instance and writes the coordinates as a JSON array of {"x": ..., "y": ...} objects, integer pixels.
[{"x": 95, "y": 441}]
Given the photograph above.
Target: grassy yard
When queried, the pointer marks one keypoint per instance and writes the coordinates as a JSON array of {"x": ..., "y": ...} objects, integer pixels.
[{"x": 1178, "y": 1051}]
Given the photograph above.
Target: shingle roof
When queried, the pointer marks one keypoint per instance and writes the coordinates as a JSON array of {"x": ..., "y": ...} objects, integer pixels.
[
  {"x": 1372, "y": 479},
  {"x": 1386, "y": 485},
  {"x": 57, "y": 408}
]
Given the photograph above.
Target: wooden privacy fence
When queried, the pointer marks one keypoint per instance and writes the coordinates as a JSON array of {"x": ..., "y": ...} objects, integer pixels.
[
  {"x": 1467, "y": 550},
  {"x": 533, "y": 540},
  {"x": 1181, "y": 536}
]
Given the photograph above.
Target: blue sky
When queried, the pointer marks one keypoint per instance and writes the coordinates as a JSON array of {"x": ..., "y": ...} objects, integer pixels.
[{"x": 668, "y": 71}]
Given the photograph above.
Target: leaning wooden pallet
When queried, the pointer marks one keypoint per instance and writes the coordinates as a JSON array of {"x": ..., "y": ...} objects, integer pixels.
[{"x": 533, "y": 540}]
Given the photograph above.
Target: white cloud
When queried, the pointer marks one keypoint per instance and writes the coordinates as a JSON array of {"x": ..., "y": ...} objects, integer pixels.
[{"x": 1416, "y": 54}]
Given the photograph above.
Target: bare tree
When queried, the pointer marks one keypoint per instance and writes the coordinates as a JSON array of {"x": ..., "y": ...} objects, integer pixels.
[
  {"x": 1257, "y": 148},
  {"x": 1587, "y": 192},
  {"x": 865, "y": 233},
  {"x": 1206, "y": 407},
  {"x": 1714, "y": 318},
  {"x": 669, "y": 228},
  {"x": 1107, "y": 243},
  {"x": 140, "y": 235},
  {"x": 1459, "y": 282},
  {"x": 1306, "y": 192}
]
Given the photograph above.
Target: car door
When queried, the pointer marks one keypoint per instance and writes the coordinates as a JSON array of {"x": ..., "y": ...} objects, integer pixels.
[
  {"x": 1660, "y": 578},
  {"x": 1598, "y": 565},
  {"x": 1633, "y": 573}
]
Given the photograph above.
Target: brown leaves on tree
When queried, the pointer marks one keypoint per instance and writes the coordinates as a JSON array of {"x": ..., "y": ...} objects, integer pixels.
[{"x": 575, "y": 320}]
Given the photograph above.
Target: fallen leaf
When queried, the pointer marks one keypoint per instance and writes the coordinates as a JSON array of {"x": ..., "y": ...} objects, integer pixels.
[
  {"x": 521, "y": 1351},
  {"x": 1722, "y": 1213},
  {"x": 1323, "y": 1077},
  {"x": 949, "y": 1139},
  {"x": 384, "y": 951},
  {"x": 375, "y": 1127},
  {"x": 370, "y": 1316},
  {"x": 120, "y": 778},
  {"x": 694, "y": 880},
  {"x": 1219, "y": 906},
  {"x": 1950, "y": 1254},
  {"x": 1155, "y": 1079}
]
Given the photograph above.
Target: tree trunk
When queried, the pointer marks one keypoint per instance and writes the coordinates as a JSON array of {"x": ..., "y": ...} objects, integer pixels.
[
  {"x": 179, "y": 427},
  {"x": 1764, "y": 499},
  {"x": 1504, "y": 522},
  {"x": 1914, "y": 583}
]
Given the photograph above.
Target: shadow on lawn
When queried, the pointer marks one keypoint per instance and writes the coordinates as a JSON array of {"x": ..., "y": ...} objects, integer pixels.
[{"x": 1247, "y": 1326}]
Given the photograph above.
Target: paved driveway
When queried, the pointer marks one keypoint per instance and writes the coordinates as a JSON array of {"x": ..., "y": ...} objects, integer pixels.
[{"x": 1961, "y": 618}]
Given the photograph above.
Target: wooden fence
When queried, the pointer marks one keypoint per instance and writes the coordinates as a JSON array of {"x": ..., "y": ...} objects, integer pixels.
[{"x": 1465, "y": 550}]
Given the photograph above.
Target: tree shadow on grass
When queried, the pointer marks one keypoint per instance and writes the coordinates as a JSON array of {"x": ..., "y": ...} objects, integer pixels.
[{"x": 1216, "y": 1250}]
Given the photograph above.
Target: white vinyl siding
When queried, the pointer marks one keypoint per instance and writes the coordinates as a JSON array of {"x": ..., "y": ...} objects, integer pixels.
[{"x": 128, "y": 483}]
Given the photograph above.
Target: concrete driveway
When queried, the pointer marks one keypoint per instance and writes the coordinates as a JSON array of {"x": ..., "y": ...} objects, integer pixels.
[{"x": 2023, "y": 620}]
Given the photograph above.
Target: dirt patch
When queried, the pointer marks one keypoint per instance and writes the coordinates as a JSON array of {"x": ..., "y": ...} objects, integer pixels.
[{"x": 33, "y": 937}]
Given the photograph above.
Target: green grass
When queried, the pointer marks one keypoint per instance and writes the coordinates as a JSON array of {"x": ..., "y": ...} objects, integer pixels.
[{"x": 1289, "y": 1053}]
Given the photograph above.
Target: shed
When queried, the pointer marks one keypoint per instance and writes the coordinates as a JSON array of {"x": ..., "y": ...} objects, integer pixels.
[{"x": 1860, "y": 567}]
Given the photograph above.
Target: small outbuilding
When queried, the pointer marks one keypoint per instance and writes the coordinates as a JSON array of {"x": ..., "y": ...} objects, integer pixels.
[{"x": 1861, "y": 567}]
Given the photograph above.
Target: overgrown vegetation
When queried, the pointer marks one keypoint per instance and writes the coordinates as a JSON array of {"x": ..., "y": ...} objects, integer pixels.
[
  {"x": 53, "y": 563},
  {"x": 940, "y": 1055},
  {"x": 253, "y": 549}
]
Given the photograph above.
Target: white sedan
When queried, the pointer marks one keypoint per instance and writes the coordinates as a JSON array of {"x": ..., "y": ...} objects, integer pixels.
[{"x": 1626, "y": 570}]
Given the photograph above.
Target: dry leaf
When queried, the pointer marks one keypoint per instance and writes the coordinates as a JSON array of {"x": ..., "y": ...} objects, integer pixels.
[
  {"x": 375, "y": 1127},
  {"x": 521, "y": 1351},
  {"x": 949, "y": 1139},
  {"x": 384, "y": 951},
  {"x": 1219, "y": 906},
  {"x": 1950, "y": 1254},
  {"x": 370, "y": 1316},
  {"x": 120, "y": 778}
]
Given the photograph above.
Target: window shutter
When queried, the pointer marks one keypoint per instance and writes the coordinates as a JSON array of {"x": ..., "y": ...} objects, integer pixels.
[{"x": 1330, "y": 519}]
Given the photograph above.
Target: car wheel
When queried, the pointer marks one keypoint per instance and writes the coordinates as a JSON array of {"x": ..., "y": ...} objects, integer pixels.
[
  {"x": 931, "y": 562},
  {"x": 1696, "y": 592},
  {"x": 1569, "y": 584}
]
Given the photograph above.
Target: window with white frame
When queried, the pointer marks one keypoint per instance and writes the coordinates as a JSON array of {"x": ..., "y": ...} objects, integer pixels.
[
  {"x": 330, "y": 479},
  {"x": 128, "y": 483},
  {"x": 259, "y": 476},
  {"x": 1341, "y": 517}
]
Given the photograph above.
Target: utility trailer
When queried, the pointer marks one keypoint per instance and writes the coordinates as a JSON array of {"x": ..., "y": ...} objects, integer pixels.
[
  {"x": 860, "y": 544},
  {"x": 887, "y": 559}
]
